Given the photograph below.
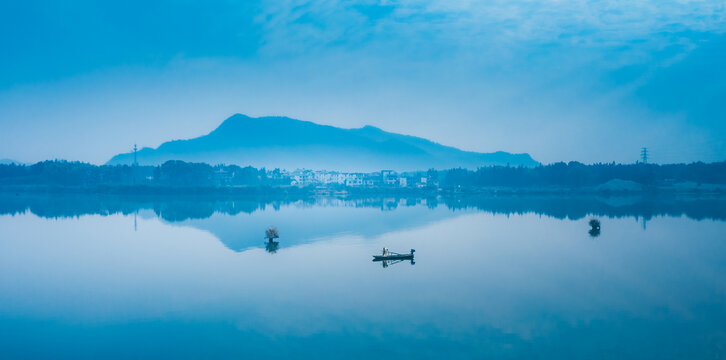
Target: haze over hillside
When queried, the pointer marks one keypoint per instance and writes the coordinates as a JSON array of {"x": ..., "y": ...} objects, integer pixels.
[
  {"x": 9, "y": 161},
  {"x": 281, "y": 142}
]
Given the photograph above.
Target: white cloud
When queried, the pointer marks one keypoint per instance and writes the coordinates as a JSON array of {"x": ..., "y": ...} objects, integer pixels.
[{"x": 413, "y": 26}]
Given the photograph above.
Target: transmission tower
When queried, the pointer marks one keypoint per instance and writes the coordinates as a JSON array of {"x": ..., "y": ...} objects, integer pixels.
[
  {"x": 134, "y": 170},
  {"x": 644, "y": 155}
]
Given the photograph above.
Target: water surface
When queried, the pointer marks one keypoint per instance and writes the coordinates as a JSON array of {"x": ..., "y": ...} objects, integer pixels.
[{"x": 496, "y": 277}]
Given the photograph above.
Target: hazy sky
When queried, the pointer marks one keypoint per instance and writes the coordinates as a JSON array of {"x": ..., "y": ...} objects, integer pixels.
[{"x": 562, "y": 80}]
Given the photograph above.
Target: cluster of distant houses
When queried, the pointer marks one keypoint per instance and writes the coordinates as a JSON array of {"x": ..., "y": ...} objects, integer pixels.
[{"x": 384, "y": 178}]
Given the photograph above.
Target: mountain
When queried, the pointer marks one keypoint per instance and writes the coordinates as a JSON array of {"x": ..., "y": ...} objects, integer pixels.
[
  {"x": 8, "y": 162},
  {"x": 281, "y": 142}
]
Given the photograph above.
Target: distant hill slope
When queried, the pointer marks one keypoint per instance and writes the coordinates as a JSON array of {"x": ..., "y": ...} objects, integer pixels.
[
  {"x": 281, "y": 142},
  {"x": 9, "y": 161}
]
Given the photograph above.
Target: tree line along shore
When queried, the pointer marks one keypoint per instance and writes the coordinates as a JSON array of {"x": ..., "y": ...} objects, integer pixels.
[{"x": 175, "y": 176}]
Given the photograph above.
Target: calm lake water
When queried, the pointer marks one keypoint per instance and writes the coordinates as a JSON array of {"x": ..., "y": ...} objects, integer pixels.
[{"x": 521, "y": 278}]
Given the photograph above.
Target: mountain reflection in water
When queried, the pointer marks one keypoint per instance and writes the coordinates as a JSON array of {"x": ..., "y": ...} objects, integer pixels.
[
  {"x": 238, "y": 222},
  {"x": 498, "y": 277}
]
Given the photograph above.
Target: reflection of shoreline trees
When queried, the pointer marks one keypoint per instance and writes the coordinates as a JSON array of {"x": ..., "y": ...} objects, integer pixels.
[
  {"x": 579, "y": 207},
  {"x": 180, "y": 208},
  {"x": 169, "y": 208}
]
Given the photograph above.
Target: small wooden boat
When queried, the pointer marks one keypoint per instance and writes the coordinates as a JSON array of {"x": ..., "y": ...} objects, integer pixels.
[{"x": 390, "y": 255}]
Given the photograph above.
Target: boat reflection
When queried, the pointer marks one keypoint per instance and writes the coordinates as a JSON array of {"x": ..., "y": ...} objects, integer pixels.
[{"x": 387, "y": 263}]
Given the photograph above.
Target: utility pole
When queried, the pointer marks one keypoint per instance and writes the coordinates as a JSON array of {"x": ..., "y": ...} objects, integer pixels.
[
  {"x": 134, "y": 175},
  {"x": 644, "y": 154}
]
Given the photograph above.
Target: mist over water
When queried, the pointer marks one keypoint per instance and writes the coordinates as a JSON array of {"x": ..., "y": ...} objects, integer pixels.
[{"x": 505, "y": 277}]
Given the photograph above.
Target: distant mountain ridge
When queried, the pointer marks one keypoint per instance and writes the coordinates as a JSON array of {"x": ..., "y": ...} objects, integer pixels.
[
  {"x": 281, "y": 142},
  {"x": 9, "y": 161}
]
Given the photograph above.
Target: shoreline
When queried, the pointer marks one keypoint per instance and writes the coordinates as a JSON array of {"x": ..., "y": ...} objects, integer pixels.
[{"x": 716, "y": 190}]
